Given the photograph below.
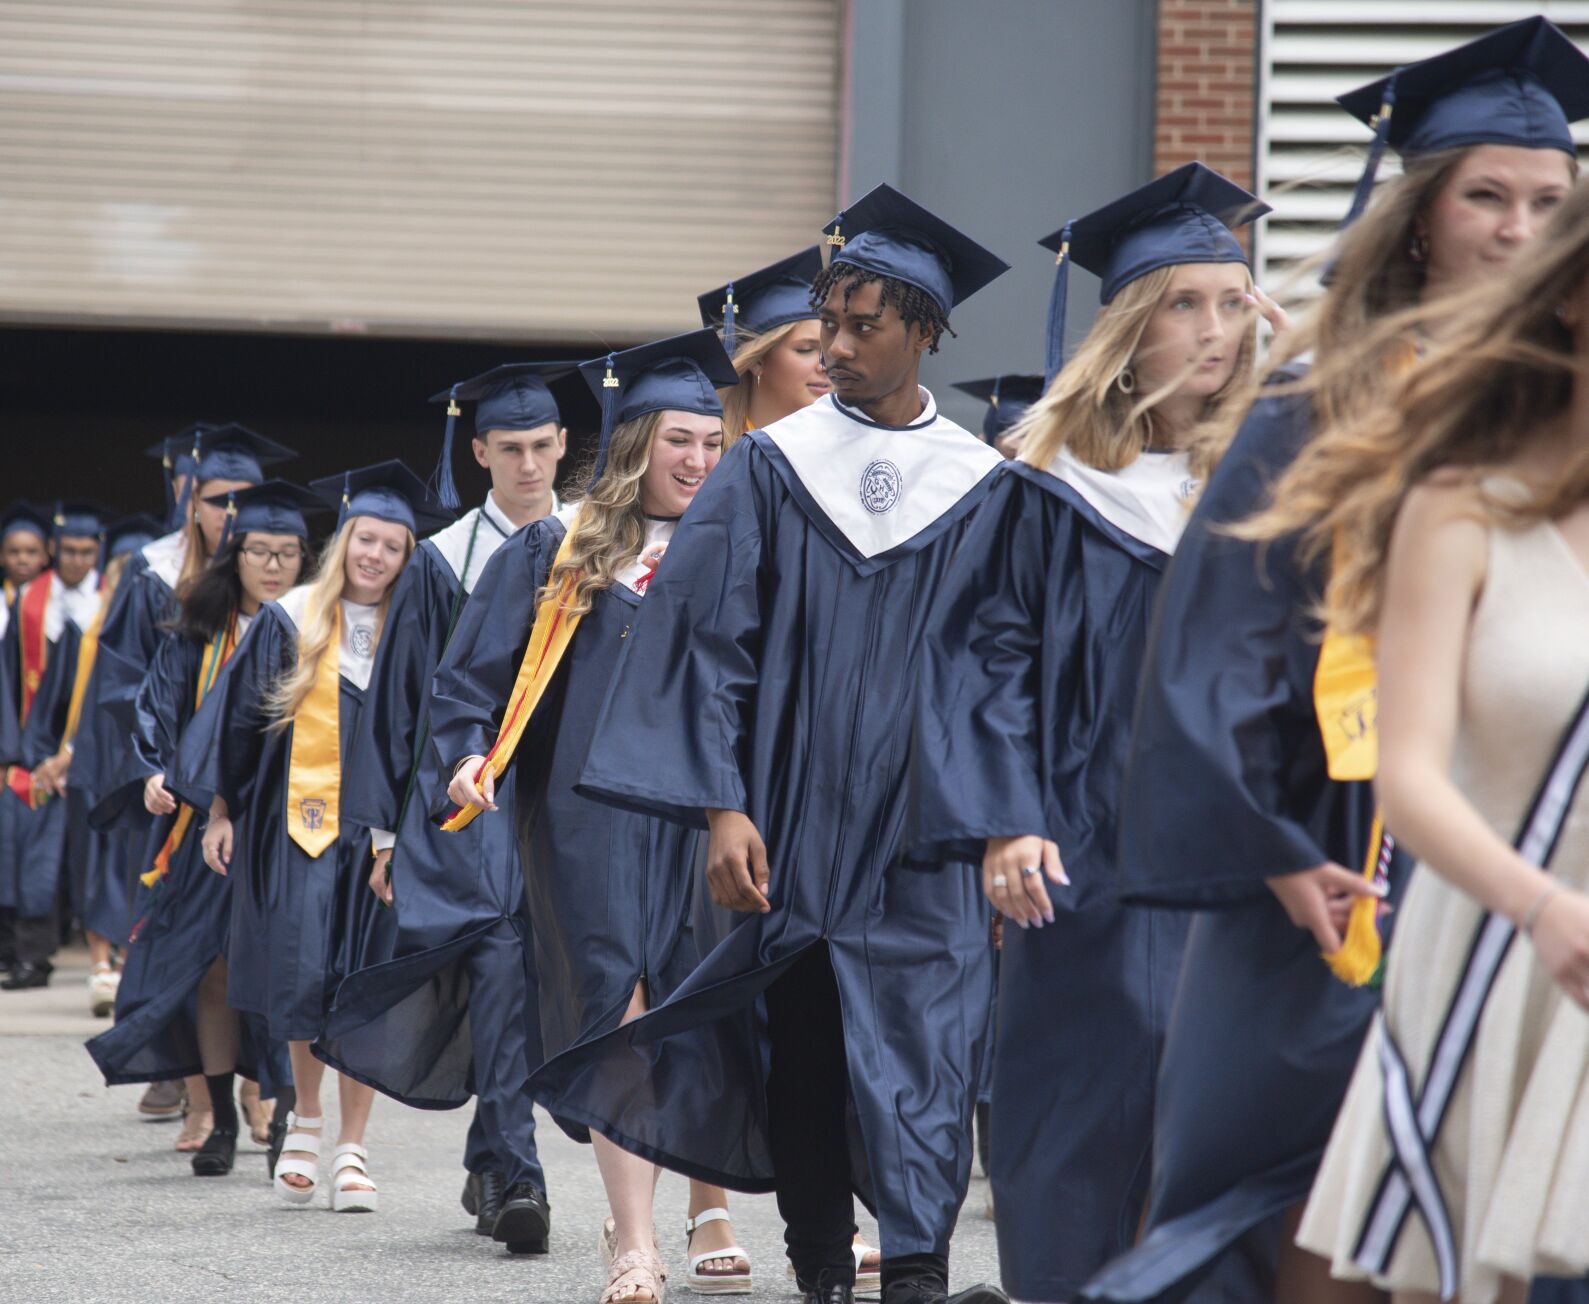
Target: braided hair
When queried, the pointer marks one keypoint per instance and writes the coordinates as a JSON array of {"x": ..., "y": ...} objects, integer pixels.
[{"x": 916, "y": 306}]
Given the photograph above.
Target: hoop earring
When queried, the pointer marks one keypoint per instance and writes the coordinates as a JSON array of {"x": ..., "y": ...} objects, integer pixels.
[
  {"x": 1418, "y": 248},
  {"x": 1126, "y": 381}
]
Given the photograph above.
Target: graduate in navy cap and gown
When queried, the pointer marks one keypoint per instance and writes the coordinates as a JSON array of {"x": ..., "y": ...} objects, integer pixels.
[
  {"x": 1246, "y": 791},
  {"x": 766, "y": 695},
  {"x": 454, "y": 1011},
  {"x": 265, "y": 754},
  {"x": 1008, "y": 397},
  {"x": 1024, "y": 703},
  {"x": 524, "y": 679}
]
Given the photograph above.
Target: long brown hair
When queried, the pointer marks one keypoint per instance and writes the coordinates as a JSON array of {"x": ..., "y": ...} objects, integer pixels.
[
  {"x": 1498, "y": 374},
  {"x": 1086, "y": 409}
]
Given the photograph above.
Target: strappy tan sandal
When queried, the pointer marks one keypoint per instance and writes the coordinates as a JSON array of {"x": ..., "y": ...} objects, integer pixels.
[
  {"x": 257, "y": 1113},
  {"x": 197, "y": 1124},
  {"x": 634, "y": 1278}
]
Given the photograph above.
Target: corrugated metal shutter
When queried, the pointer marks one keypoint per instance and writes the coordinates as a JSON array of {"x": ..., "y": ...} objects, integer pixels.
[
  {"x": 516, "y": 168},
  {"x": 1310, "y": 153}
]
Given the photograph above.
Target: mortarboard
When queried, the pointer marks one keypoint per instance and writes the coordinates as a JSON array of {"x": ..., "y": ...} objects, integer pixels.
[
  {"x": 388, "y": 491},
  {"x": 129, "y": 533},
  {"x": 1007, "y": 396},
  {"x": 273, "y": 507},
  {"x": 774, "y": 296},
  {"x": 513, "y": 396},
  {"x": 76, "y": 519},
  {"x": 25, "y": 518}
]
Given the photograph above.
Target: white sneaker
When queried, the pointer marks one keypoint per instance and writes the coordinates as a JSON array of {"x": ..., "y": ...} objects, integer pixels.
[{"x": 103, "y": 982}]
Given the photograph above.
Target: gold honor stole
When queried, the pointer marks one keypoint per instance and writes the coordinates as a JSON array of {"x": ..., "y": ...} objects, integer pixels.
[
  {"x": 314, "y": 766},
  {"x": 217, "y": 652},
  {"x": 87, "y": 652},
  {"x": 35, "y": 653},
  {"x": 550, "y": 637}
]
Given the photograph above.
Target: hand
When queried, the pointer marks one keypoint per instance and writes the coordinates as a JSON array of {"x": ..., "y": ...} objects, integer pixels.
[
  {"x": 652, "y": 556},
  {"x": 156, "y": 800},
  {"x": 59, "y": 765},
  {"x": 736, "y": 862},
  {"x": 379, "y": 883},
  {"x": 1561, "y": 938},
  {"x": 218, "y": 844},
  {"x": 462, "y": 789},
  {"x": 1320, "y": 900},
  {"x": 1268, "y": 309},
  {"x": 1015, "y": 894}
]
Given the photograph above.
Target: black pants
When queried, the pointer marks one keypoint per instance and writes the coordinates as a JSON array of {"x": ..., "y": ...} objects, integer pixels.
[
  {"x": 807, "y": 1103},
  {"x": 37, "y": 939}
]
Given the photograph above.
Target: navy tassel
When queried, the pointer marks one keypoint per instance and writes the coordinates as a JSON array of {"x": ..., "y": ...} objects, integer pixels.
[
  {"x": 730, "y": 319},
  {"x": 1376, "y": 151},
  {"x": 447, "y": 487},
  {"x": 226, "y": 526},
  {"x": 609, "y": 404},
  {"x": 1056, "y": 309},
  {"x": 171, "y": 490},
  {"x": 187, "y": 489}
]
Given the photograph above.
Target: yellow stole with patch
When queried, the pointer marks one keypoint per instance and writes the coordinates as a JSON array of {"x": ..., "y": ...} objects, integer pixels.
[
  {"x": 550, "y": 637},
  {"x": 217, "y": 652},
  {"x": 314, "y": 766}
]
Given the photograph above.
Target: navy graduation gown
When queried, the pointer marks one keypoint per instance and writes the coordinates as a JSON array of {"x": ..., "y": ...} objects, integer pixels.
[
  {"x": 1226, "y": 785},
  {"x": 1028, "y": 680},
  {"x": 609, "y": 893},
  {"x": 299, "y": 923},
  {"x": 770, "y": 672},
  {"x": 186, "y": 919}
]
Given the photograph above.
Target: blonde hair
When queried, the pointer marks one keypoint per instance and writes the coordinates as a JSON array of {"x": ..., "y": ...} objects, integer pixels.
[
  {"x": 1500, "y": 367},
  {"x": 1086, "y": 411},
  {"x": 750, "y": 349},
  {"x": 609, "y": 531},
  {"x": 314, "y": 631}
]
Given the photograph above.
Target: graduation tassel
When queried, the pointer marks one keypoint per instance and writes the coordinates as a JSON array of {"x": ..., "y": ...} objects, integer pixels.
[
  {"x": 342, "y": 509},
  {"x": 187, "y": 489},
  {"x": 730, "y": 317},
  {"x": 1376, "y": 151},
  {"x": 227, "y": 524},
  {"x": 609, "y": 403},
  {"x": 446, "y": 487},
  {"x": 171, "y": 489},
  {"x": 1056, "y": 310}
]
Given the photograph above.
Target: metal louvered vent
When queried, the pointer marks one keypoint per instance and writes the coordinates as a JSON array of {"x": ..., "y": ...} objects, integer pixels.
[
  {"x": 1310, "y": 152},
  {"x": 548, "y": 170}
]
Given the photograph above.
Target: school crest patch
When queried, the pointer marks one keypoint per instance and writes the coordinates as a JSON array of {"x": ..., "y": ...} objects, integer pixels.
[
  {"x": 313, "y": 810},
  {"x": 362, "y": 640},
  {"x": 880, "y": 485}
]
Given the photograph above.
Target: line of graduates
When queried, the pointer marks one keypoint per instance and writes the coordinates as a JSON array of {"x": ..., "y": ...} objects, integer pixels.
[{"x": 819, "y": 754}]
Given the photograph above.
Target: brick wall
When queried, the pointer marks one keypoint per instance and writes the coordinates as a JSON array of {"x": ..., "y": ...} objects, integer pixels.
[{"x": 1207, "y": 55}]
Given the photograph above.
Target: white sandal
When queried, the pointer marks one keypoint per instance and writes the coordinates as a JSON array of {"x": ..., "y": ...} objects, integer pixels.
[
  {"x": 715, "y": 1283},
  {"x": 867, "y": 1281},
  {"x": 309, "y": 1144},
  {"x": 348, "y": 1172}
]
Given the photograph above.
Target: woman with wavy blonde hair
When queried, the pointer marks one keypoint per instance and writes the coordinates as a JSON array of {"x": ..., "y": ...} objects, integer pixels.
[
  {"x": 769, "y": 328},
  {"x": 1028, "y": 675},
  {"x": 263, "y": 755},
  {"x": 534, "y": 653},
  {"x": 1246, "y": 785}
]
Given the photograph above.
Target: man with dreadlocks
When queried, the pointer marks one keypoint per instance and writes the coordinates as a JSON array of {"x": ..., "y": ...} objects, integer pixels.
[{"x": 765, "y": 696}]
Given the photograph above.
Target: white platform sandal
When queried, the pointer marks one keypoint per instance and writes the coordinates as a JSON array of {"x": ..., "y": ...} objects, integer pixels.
[
  {"x": 868, "y": 1281},
  {"x": 349, "y": 1170},
  {"x": 309, "y": 1144},
  {"x": 715, "y": 1283}
]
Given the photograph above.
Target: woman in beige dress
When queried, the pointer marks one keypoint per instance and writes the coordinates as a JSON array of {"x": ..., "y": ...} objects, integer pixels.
[{"x": 1459, "y": 517}]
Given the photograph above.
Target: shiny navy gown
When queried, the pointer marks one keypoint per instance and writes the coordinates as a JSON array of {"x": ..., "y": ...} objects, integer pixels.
[
  {"x": 771, "y": 672},
  {"x": 1028, "y": 681},
  {"x": 609, "y": 891},
  {"x": 299, "y": 923},
  {"x": 453, "y": 1012},
  {"x": 186, "y": 919}
]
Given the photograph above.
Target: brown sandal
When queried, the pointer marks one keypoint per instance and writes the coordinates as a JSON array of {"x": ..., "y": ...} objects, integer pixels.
[
  {"x": 197, "y": 1124},
  {"x": 634, "y": 1278}
]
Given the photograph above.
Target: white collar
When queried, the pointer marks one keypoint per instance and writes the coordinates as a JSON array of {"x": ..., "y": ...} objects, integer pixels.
[
  {"x": 1151, "y": 500},
  {"x": 452, "y": 543},
  {"x": 657, "y": 531},
  {"x": 165, "y": 557},
  {"x": 881, "y": 485},
  {"x": 80, "y": 600},
  {"x": 357, "y": 654}
]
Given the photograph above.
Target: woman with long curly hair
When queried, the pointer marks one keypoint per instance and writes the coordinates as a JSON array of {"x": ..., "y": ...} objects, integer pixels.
[
  {"x": 264, "y": 756},
  {"x": 610, "y": 892},
  {"x": 1246, "y": 793}
]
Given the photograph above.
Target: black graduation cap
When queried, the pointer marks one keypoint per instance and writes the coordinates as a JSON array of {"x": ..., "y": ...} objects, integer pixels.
[
  {"x": 682, "y": 373},
  {"x": 1007, "y": 396},
  {"x": 1185, "y": 216},
  {"x": 234, "y": 452},
  {"x": 273, "y": 507},
  {"x": 129, "y": 533},
  {"x": 25, "y": 517},
  {"x": 886, "y": 233},
  {"x": 78, "y": 519},
  {"x": 388, "y": 491},
  {"x": 513, "y": 396},
  {"x": 771, "y": 297},
  {"x": 1518, "y": 85}
]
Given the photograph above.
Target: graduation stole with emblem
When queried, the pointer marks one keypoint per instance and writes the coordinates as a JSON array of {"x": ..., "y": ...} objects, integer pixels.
[
  {"x": 314, "y": 766},
  {"x": 217, "y": 652},
  {"x": 550, "y": 637},
  {"x": 35, "y": 654}
]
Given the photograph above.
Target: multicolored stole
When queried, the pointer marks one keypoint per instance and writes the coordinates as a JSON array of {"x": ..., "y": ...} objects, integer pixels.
[
  {"x": 550, "y": 638},
  {"x": 314, "y": 766},
  {"x": 217, "y": 652},
  {"x": 35, "y": 655}
]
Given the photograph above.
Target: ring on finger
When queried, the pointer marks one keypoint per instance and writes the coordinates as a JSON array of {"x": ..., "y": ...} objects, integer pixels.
[
  {"x": 999, "y": 880},
  {"x": 1028, "y": 871}
]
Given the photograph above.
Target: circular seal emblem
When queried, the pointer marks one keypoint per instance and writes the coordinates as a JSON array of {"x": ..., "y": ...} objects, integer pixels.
[
  {"x": 362, "y": 639},
  {"x": 880, "y": 487}
]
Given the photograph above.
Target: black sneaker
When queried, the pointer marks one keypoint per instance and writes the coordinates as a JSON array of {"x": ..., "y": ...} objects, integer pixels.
[{"x": 214, "y": 1158}]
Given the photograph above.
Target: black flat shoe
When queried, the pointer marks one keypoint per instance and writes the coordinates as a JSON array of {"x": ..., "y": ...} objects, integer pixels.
[
  {"x": 482, "y": 1198},
  {"x": 27, "y": 975},
  {"x": 525, "y": 1223},
  {"x": 838, "y": 1292},
  {"x": 214, "y": 1158}
]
